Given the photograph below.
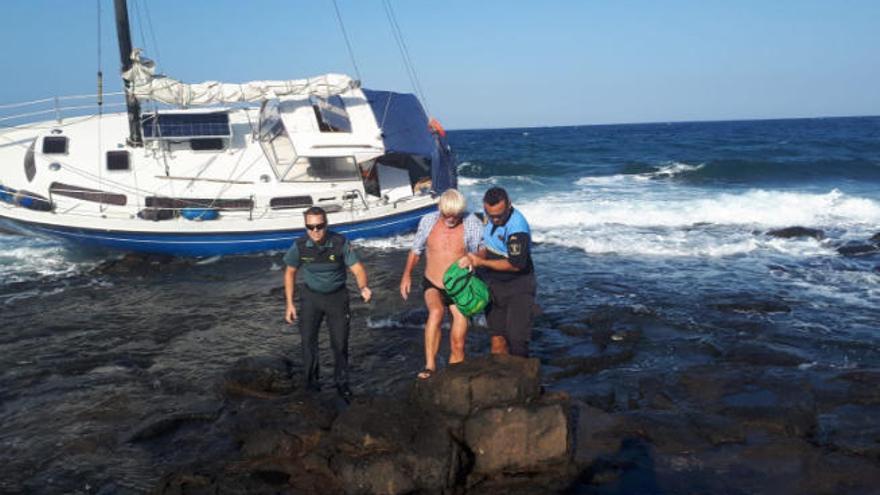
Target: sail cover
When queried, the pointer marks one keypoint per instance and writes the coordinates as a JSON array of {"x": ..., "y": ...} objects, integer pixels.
[
  {"x": 405, "y": 130},
  {"x": 145, "y": 84}
]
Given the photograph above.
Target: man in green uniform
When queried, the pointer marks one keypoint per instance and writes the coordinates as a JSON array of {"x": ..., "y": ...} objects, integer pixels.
[{"x": 322, "y": 257}]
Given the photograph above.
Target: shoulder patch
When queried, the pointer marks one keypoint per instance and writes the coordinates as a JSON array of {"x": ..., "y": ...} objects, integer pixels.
[{"x": 515, "y": 248}]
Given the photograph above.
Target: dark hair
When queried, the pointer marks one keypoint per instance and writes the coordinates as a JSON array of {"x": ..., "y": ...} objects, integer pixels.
[
  {"x": 494, "y": 195},
  {"x": 316, "y": 210}
]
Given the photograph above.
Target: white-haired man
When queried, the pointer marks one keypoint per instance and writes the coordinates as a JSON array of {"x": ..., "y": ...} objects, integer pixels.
[{"x": 444, "y": 236}]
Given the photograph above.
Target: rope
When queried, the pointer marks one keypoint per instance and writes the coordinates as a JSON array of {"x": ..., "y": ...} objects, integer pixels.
[
  {"x": 385, "y": 112},
  {"x": 100, "y": 111},
  {"x": 140, "y": 24},
  {"x": 404, "y": 52},
  {"x": 152, "y": 33},
  {"x": 357, "y": 71},
  {"x": 100, "y": 66}
]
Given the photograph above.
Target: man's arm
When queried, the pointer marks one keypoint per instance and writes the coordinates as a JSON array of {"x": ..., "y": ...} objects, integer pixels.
[
  {"x": 406, "y": 279},
  {"x": 360, "y": 274},
  {"x": 499, "y": 265},
  {"x": 517, "y": 260},
  {"x": 289, "y": 284}
]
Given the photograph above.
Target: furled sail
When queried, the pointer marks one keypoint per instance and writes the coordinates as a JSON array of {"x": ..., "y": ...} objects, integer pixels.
[{"x": 145, "y": 84}]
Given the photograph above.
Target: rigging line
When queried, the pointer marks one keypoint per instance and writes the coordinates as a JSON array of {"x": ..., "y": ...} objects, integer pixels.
[
  {"x": 134, "y": 178},
  {"x": 385, "y": 112},
  {"x": 140, "y": 24},
  {"x": 228, "y": 185},
  {"x": 399, "y": 46},
  {"x": 405, "y": 52},
  {"x": 392, "y": 17},
  {"x": 158, "y": 56},
  {"x": 100, "y": 95},
  {"x": 100, "y": 114},
  {"x": 409, "y": 59},
  {"x": 357, "y": 71},
  {"x": 140, "y": 27}
]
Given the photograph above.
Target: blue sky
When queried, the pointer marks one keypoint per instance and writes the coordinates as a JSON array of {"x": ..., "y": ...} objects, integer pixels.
[{"x": 488, "y": 63}]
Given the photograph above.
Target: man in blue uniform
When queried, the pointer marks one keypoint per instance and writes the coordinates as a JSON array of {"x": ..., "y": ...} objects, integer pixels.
[
  {"x": 505, "y": 264},
  {"x": 322, "y": 257}
]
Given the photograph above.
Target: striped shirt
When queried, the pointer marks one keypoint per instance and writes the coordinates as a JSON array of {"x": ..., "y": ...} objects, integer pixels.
[{"x": 473, "y": 232}]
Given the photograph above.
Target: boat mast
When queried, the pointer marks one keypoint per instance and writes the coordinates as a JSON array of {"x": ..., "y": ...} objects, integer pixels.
[{"x": 123, "y": 34}]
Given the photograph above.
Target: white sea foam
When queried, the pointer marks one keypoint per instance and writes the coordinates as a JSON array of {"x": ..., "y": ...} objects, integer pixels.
[
  {"x": 387, "y": 243},
  {"x": 27, "y": 258},
  {"x": 469, "y": 181},
  {"x": 714, "y": 226},
  {"x": 494, "y": 180},
  {"x": 758, "y": 208},
  {"x": 675, "y": 168},
  {"x": 667, "y": 171}
]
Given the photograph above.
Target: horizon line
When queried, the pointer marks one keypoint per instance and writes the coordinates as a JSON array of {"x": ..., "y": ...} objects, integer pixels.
[{"x": 700, "y": 121}]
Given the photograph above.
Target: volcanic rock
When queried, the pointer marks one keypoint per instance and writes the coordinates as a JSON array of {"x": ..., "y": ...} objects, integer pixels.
[
  {"x": 387, "y": 445},
  {"x": 794, "y": 232},
  {"x": 853, "y": 429},
  {"x": 494, "y": 380},
  {"x": 745, "y": 303},
  {"x": 263, "y": 377},
  {"x": 762, "y": 354},
  {"x": 518, "y": 439},
  {"x": 482, "y": 426},
  {"x": 858, "y": 249}
]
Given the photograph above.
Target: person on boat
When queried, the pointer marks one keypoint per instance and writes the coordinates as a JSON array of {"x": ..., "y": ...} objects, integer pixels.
[
  {"x": 444, "y": 236},
  {"x": 322, "y": 256},
  {"x": 505, "y": 264}
]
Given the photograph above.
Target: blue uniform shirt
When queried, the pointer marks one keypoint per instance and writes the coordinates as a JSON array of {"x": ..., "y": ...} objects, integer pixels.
[{"x": 512, "y": 241}]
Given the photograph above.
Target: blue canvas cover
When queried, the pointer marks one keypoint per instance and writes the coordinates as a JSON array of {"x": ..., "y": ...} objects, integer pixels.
[{"x": 405, "y": 130}]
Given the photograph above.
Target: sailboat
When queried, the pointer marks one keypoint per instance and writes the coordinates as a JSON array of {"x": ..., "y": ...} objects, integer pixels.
[{"x": 219, "y": 168}]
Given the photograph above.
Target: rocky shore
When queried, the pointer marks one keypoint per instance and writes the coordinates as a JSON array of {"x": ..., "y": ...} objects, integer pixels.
[
  {"x": 487, "y": 426},
  {"x": 740, "y": 389},
  {"x": 481, "y": 426}
]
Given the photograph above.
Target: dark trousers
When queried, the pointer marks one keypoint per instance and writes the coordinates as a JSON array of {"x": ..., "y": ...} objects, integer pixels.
[
  {"x": 315, "y": 306},
  {"x": 511, "y": 311}
]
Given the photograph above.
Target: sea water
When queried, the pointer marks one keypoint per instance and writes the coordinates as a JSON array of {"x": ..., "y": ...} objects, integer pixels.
[{"x": 661, "y": 226}]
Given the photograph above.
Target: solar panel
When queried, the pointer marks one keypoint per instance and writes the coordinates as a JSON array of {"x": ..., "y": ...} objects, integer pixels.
[{"x": 186, "y": 125}]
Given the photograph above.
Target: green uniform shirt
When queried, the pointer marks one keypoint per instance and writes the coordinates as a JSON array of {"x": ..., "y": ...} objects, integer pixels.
[{"x": 320, "y": 265}]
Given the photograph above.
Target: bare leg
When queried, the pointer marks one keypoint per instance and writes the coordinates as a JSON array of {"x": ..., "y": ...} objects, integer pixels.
[
  {"x": 432, "y": 327},
  {"x": 457, "y": 335},
  {"x": 499, "y": 345}
]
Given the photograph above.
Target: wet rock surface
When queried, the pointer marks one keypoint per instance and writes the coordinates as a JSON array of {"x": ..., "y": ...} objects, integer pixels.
[
  {"x": 744, "y": 414},
  {"x": 746, "y": 303},
  {"x": 483, "y": 425},
  {"x": 752, "y": 418},
  {"x": 797, "y": 231},
  {"x": 859, "y": 249},
  {"x": 472, "y": 385}
]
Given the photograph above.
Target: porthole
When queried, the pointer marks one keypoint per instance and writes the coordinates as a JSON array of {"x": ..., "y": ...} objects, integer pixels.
[
  {"x": 55, "y": 145},
  {"x": 117, "y": 160}
]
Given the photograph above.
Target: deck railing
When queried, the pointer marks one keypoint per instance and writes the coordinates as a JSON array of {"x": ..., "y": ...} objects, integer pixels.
[{"x": 58, "y": 108}]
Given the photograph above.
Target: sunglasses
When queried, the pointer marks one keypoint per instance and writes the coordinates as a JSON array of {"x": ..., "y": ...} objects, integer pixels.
[{"x": 317, "y": 226}]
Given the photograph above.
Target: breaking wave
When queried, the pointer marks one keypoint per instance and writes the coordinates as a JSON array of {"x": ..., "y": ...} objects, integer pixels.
[{"x": 761, "y": 208}]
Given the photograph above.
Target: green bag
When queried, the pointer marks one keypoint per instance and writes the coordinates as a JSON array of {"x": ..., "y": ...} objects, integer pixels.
[{"x": 470, "y": 294}]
